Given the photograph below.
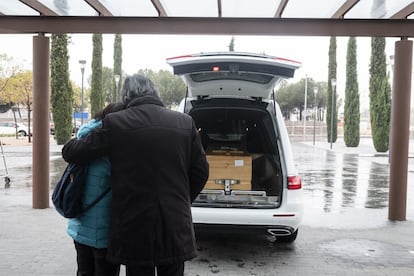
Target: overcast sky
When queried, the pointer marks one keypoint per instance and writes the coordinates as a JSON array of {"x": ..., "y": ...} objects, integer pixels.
[{"x": 151, "y": 51}]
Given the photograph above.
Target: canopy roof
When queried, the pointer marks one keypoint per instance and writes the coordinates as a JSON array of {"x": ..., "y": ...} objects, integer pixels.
[{"x": 259, "y": 17}]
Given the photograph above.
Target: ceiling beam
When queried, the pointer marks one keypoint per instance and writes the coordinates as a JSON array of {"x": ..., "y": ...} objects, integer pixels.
[
  {"x": 159, "y": 7},
  {"x": 281, "y": 8},
  {"x": 39, "y": 7},
  {"x": 97, "y": 6},
  {"x": 207, "y": 26},
  {"x": 340, "y": 13},
  {"x": 404, "y": 12}
]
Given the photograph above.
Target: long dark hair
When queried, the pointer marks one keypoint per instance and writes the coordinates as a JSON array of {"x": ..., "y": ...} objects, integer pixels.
[{"x": 111, "y": 107}]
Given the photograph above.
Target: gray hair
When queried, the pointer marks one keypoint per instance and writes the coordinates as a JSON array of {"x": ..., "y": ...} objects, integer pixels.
[{"x": 137, "y": 86}]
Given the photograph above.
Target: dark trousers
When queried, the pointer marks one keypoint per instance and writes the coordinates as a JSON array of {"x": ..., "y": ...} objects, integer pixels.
[
  {"x": 162, "y": 270},
  {"x": 92, "y": 262}
]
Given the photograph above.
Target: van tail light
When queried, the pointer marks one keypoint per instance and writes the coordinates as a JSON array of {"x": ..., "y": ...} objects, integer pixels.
[{"x": 294, "y": 183}]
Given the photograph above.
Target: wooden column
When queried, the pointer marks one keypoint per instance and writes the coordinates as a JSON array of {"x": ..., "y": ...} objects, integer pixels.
[
  {"x": 40, "y": 158},
  {"x": 400, "y": 129}
]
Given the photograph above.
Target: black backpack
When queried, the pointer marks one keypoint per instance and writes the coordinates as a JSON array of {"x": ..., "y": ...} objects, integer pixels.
[{"x": 68, "y": 193}]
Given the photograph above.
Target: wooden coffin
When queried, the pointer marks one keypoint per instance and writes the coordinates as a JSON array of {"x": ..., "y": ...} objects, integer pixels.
[{"x": 236, "y": 169}]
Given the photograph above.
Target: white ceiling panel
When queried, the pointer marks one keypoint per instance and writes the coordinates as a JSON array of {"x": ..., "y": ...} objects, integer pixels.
[
  {"x": 69, "y": 8},
  {"x": 311, "y": 9},
  {"x": 191, "y": 8},
  {"x": 15, "y": 7},
  {"x": 376, "y": 9},
  {"x": 248, "y": 8},
  {"x": 130, "y": 7}
]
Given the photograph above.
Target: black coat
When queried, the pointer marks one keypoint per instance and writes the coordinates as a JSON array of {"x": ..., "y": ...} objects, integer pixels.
[{"x": 158, "y": 168}]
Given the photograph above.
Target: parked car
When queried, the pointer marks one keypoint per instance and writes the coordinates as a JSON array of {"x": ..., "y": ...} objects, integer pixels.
[
  {"x": 75, "y": 128},
  {"x": 9, "y": 128},
  {"x": 253, "y": 182}
]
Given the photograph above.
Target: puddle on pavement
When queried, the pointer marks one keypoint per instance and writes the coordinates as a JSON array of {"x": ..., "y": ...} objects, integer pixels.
[
  {"x": 334, "y": 181},
  {"x": 21, "y": 177}
]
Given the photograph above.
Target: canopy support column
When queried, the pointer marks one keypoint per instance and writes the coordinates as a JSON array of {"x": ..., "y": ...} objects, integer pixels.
[
  {"x": 400, "y": 130},
  {"x": 40, "y": 157}
]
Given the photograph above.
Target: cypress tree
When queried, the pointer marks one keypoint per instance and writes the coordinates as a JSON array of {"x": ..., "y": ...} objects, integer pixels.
[
  {"x": 117, "y": 67},
  {"x": 351, "y": 112},
  {"x": 379, "y": 95},
  {"x": 331, "y": 75},
  {"x": 61, "y": 93},
  {"x": 97, "y": 97}
]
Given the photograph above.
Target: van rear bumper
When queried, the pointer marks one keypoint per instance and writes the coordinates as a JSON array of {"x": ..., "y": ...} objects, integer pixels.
[
  {"x": 235, "y": 218},
  {"x": 274, "y": 230}
]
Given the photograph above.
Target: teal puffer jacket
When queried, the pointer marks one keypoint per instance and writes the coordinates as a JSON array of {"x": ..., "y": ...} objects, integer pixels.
[{"x": 92, "y": 227}]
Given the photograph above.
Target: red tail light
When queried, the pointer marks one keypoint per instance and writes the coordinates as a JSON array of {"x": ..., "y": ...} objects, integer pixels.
[{"x": 294, "y": 183}]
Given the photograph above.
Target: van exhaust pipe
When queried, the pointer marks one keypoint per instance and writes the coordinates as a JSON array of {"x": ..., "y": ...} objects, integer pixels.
[{"x": 279, "y": 232}]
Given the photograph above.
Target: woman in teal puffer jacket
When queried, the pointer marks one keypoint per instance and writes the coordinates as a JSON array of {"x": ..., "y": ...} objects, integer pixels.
[{"x": 90, "y": 230}]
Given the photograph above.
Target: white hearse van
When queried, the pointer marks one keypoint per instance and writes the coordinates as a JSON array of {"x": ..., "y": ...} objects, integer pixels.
[{"x": 253, "y": 182}]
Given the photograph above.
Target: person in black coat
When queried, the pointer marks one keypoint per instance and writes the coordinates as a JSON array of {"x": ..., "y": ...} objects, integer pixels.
[{"x": 158, "y": 169}]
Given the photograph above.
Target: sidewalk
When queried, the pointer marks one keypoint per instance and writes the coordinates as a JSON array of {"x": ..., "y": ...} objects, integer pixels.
[
  {"x": 34, "y": 242},
  {"x": 22, "y": 143},
  {"x": 365, "y": 147},
  {"x": 365, "y": 150}
]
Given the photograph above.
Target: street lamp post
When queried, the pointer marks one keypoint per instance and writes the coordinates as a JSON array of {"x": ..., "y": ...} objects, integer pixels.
[
  {"x": 117, "y": 78},
  {"x": 315, "y": 92},
  {"x": 82, "y": 63},
  {"x": 333, "y": 85}
]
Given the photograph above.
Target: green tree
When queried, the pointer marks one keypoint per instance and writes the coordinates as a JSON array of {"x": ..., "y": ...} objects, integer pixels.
[
  {"x": 108, "y": 84},
  {"x": 97, "y": 97},
  {"x": 117, "y": 67},
  {"x": 20, "y": 92},
  {"x": 291, "y": 97},
  {"x": 61, "y": 92},
  {"x": 351, "y": 109},
  {"x": 149, "y": 74},
  {"x": 379, "y": 95},
  {"x": 283, "y": 97},
  {"x": 171, "y": 88},
  {"x": 77, "y": 96},
  {"x": 331, "y": 105},
  {"x": 8, "y": 68}
]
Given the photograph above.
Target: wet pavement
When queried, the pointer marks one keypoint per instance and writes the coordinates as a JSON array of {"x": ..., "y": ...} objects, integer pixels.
[
  {"x": 346, "y": 180},
  {"x": 345, "y": 230}
]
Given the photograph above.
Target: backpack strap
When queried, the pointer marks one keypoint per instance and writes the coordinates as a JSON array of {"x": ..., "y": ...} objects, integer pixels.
[{"x": 99, "y": 198}]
